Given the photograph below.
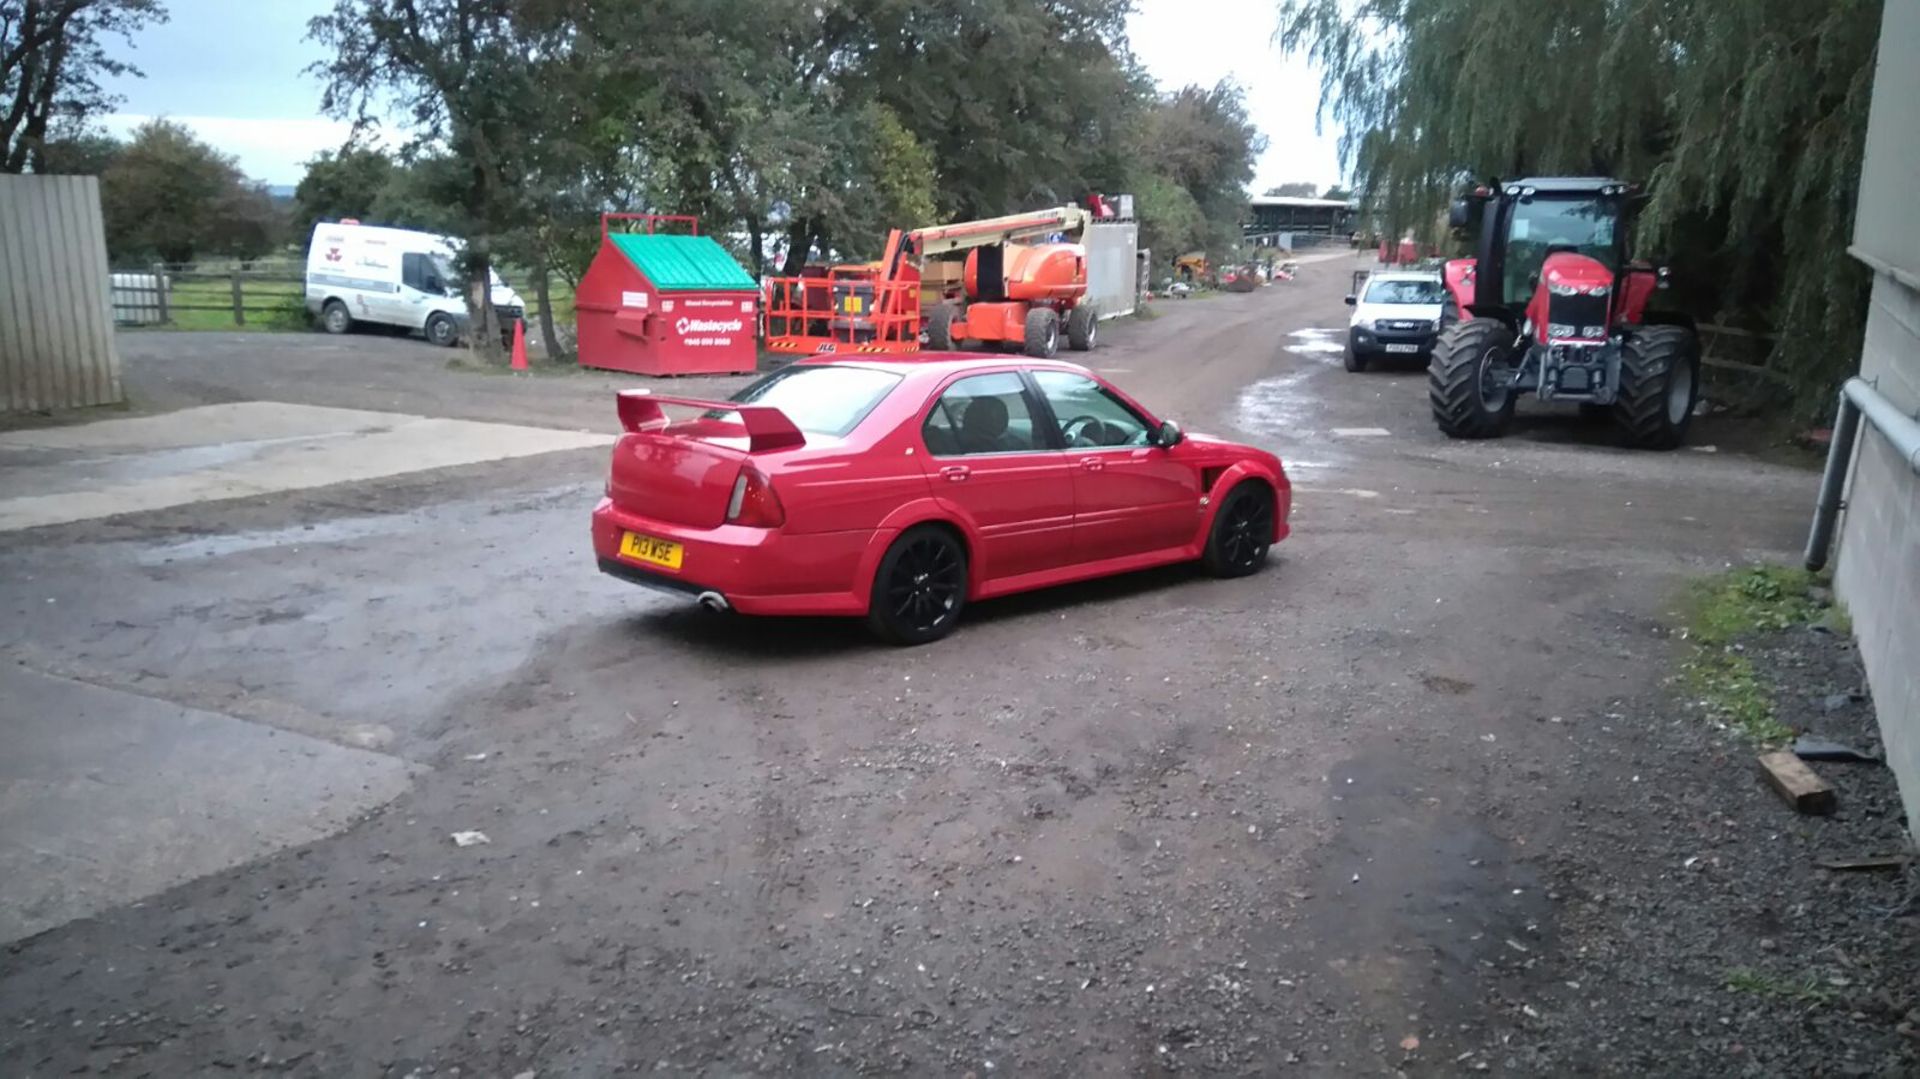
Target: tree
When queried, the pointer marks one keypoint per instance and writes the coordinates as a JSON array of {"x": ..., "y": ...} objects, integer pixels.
[
  {"x": 52, "y": 58},
  {"x": 1336, "y": 192},
  {"x": 345, "y": 183},
  {"x": 1298, "y": 189},
  {"x": 168, "y": 195},
  {"x": 1020, "y": 102},
  {"x": 467, "y": 75},
  {"x": 1747, "y": 120},
  {"x": 1171, "y": 223},
  {"x": 78, "y": 151},
  {"x": 1198, "y": 142}
]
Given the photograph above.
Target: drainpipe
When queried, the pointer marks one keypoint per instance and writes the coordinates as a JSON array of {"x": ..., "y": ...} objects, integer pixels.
[{"x": 1857, "y": 398}]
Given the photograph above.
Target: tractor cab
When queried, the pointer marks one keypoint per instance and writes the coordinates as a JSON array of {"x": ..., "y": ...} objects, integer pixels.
[
  {"x": 1525, "y": 221},
  {"x": 1552, "y": 303}
]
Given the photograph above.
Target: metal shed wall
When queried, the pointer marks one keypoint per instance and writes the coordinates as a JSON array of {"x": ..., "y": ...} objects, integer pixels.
[
  {"x": 56, "y": 325},
  {"x": 1112, "y": 270}
]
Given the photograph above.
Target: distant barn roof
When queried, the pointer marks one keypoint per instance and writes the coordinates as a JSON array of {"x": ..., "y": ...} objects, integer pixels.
[{"x": 1303, "y": 203}]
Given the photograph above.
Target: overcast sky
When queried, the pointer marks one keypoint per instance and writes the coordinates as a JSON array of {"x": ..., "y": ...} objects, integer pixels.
[{"x": 234, "y": 72}]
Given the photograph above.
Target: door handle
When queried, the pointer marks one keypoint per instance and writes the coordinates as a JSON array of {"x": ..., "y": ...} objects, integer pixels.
[
  {"x": 956, "y": 473},
  {"x": 1092, "y": 464}
]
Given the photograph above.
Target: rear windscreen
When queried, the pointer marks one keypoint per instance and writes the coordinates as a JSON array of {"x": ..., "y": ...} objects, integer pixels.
[{"x": 821, "y": 400}]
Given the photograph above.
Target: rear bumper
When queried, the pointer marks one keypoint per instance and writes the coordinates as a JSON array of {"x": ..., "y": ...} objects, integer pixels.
[{"x": 757, "y": 570}]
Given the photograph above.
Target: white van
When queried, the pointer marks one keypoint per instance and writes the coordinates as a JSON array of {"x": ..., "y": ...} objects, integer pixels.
[{"x": 393, "y": 277}]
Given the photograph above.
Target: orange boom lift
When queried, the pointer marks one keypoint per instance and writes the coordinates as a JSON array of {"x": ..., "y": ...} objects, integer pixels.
[{"x": 1019, "y": 285}]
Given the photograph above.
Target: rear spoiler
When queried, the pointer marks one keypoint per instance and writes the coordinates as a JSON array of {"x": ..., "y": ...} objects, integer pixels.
[{"x": 767, "y": 428}]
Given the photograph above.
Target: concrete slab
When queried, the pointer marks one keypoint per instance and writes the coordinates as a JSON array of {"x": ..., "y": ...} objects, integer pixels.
[
  {"x": 60, "y": 475},
  {"x": 108, "y": 797}
]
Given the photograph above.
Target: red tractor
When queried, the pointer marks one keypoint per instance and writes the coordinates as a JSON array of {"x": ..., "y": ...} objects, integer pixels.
[{"x": 1553, "y": 304}]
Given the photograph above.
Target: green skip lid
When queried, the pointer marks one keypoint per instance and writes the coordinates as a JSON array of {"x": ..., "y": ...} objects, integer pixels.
[{"x": 677, "y": 263}]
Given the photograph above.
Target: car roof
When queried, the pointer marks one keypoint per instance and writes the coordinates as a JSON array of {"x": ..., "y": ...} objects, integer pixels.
[
  {"x": 941, "y": 364},
  {"x": 1405, "y": 275}
]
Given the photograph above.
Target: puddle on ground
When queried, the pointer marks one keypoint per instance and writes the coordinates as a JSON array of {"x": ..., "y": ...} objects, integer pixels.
[
  {"x": 156, "y": 464},
  {"x": 348, "y": 529},
  {"x": 1276, "y": 407},
  {"x": 1317, "y": 344},
  {"x": 336, "y": 531}
]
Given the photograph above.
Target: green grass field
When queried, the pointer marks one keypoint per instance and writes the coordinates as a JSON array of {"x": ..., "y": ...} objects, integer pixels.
[{"x": 206, "y": 303}]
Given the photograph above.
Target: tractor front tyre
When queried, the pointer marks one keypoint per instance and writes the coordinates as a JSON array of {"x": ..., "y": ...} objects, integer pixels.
[
  {"x": 1469, "y": 379},
  {"x": 1083, "y": 323},
  {"x": 1659, "y": 382},
  {"x": 1043, "y": 333},
  {"x": 940, "y": 328}
]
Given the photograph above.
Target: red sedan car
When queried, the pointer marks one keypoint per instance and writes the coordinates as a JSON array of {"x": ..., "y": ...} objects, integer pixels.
[{"x": 901, "y": 490}]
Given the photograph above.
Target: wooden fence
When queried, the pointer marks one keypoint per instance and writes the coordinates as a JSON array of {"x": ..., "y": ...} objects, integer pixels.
[{"x": 207, "y": 296}]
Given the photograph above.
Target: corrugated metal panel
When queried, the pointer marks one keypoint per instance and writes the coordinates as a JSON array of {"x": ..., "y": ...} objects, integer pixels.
[
  {"x": 56, "y": 329},
  {"x": 1886, "y": 230},
  {"x": 681, "y": 263}
]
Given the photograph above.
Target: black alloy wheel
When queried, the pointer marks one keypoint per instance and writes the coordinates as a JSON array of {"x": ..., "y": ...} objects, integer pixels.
[
  {"x": 1242, "y": 533},
  {"x": 921, "y": 587}
]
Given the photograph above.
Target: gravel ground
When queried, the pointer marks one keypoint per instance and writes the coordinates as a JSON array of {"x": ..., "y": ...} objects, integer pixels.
[
  {"x": 1412, "y": 801},
  {"x": 1698, "y": 935}
]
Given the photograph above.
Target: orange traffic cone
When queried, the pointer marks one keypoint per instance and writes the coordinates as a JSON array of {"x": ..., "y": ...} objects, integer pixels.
[{"x": 519, "y": 344}]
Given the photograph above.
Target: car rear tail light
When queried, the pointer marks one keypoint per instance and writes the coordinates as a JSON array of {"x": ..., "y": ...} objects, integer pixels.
[{"x": 753, "y": 503}]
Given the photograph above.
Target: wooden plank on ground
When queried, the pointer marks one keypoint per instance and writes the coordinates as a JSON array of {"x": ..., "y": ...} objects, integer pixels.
[
  {"x": 1796, "y": 783},
  {"x": 1870, "y": 862}
]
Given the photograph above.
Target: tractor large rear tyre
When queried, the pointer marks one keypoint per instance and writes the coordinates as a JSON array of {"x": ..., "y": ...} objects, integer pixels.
[
  {"x": 1659, "y": 382},
  {"x": 940, "y": 328},
  {"x": 1043, "y": 333},
  {"x": 1457, "y": 379}
]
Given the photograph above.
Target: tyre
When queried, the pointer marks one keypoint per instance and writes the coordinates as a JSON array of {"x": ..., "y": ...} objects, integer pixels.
[
  {"x": 441, "y": 331},
  {"x": 920, "y": 588},
  {"x": 1355, "y": 361},
  {"x": 1242, "y": 532},
  {"x": 1083, "y": 324},
  {"x": 940, "y": 328},
  {"x": 1467, "y": 379},
  {"x": 1659, "y": 382},
  {"x": 1043, "y": 332},
  {"x": 335, "y": 318}
]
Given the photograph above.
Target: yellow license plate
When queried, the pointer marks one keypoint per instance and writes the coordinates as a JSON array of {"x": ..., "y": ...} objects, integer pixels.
[
  {"x": 854, "y": 305},
  {"x": 648, "y": 549}
]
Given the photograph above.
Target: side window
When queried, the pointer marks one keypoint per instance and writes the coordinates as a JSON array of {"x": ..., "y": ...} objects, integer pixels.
[
  {"x": 416, "y": 271},
  {"x": 1090, "y": 416},
  {"x": 982, "y": 414}
]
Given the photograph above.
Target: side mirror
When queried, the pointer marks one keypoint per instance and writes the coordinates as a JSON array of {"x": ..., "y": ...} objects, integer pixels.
[
  {"x": 1459, "y": 214},
  {"x": 1169, "y": 435},
  {"x": 1350, "y": 299}
]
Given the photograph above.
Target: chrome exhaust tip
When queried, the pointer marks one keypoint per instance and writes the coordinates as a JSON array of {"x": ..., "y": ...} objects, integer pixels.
[{"x": 714, "y": 601}]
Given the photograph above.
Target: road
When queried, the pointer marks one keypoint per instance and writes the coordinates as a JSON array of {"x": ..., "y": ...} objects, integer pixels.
[{"x": 1335, "y": 816}]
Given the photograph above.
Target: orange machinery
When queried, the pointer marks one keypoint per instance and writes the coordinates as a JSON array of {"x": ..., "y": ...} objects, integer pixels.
[{"x": 1012, "y": 290}]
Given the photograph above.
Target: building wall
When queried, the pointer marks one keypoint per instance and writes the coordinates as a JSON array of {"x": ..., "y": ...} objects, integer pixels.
[
  {"x": 56, "y": 328},
  {"x": 1878, "y": 568},
  {"x": 1878, "y": 571}
]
